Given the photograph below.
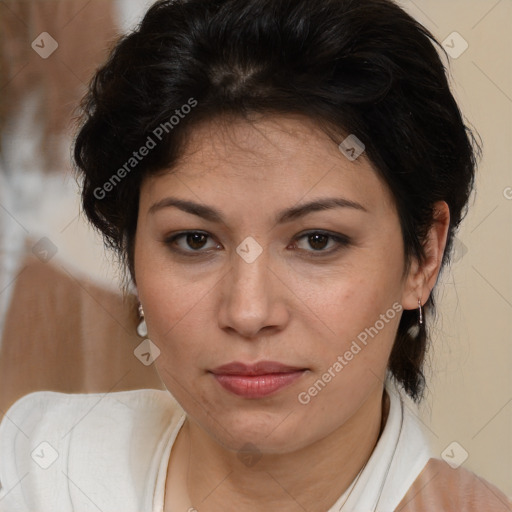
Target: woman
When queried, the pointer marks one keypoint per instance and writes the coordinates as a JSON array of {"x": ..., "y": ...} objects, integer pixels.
[{"x": 282, "y": 181}]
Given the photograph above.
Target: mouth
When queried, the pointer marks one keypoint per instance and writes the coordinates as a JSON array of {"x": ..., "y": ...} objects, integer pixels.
[{"x": 258, "y": 380}]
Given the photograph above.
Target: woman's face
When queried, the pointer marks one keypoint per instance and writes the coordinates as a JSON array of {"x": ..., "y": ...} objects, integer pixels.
[{"x": 236, "y": 260}]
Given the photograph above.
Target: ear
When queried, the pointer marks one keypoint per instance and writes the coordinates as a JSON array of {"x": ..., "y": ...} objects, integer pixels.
[{"x": 422, "y": 277}]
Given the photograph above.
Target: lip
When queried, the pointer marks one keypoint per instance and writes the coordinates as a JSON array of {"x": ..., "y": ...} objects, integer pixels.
[
  {"x": 259, "y": 368},
  {"x": 257, "y": 380}
]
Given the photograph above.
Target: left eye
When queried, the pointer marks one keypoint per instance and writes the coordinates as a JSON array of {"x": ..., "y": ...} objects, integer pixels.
[{"x": 319, "y": 242}]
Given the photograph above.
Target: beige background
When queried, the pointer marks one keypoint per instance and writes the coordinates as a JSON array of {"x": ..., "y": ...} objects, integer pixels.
[
  {"x": 469, "y": 397},
  {"x": 470, "y": 380}
]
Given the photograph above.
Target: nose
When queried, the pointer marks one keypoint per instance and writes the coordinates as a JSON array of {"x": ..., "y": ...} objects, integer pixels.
[{"x": 252, "y": 299}]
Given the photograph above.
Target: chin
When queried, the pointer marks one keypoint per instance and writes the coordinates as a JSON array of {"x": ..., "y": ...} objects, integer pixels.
[{"x": 262, "y": 432}]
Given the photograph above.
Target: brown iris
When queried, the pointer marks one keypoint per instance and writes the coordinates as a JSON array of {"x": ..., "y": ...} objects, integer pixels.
[
  {"x": 196, "y": 240},
  {"x": 318, "y": 241}
]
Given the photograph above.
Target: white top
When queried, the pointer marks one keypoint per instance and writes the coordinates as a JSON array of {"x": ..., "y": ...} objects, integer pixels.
[{"x": 64, "y": 452}]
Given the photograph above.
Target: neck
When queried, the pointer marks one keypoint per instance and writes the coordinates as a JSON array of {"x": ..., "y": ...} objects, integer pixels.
[{"x": 311, "y": 478}]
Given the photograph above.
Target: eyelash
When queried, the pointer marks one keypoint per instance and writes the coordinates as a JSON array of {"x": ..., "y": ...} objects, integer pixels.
[{"x": 341, "y": 241}]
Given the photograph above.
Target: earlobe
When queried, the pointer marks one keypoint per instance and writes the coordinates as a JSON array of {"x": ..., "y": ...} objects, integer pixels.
[{"x": 423, "y": 275}]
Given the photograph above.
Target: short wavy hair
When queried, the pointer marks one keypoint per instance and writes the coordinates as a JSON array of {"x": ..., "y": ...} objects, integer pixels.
[{"x": 364, "y": 68}]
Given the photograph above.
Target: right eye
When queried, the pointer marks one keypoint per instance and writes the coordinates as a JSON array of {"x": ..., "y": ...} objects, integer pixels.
[{"x": 190, "y": 242}]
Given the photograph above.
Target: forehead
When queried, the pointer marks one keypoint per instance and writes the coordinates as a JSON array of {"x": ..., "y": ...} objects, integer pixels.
[{"x": 274, "y": 159}]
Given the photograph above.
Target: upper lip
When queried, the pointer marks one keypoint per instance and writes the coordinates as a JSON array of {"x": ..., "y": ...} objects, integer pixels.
[{"x": 259, "y": 368}]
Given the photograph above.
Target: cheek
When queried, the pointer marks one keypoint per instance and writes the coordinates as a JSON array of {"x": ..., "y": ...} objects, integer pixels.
[
  {"x": 167, "y": 291},
  {"x": 356, "y": 313},
  {"x": 353, "y": 318},
  {"x": 166, "y": 298},
  {"x": 179, "y": 310},
  {"x": 349, "y": 342},
  {"x": 176, "y": 309},
  {"x": 346, "y": 300}
]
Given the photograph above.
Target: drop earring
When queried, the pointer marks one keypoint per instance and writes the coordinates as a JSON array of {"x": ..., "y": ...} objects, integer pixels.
[
  {"x": 420, "y": 313},
  {"x": 142, "y": 328}
]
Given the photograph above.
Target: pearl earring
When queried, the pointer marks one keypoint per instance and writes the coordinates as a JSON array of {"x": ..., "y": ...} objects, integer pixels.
[{"x": 142, "y": 328}]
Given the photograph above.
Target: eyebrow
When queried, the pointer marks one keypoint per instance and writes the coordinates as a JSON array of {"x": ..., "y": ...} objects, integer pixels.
[{"x": 295, "y": 212}]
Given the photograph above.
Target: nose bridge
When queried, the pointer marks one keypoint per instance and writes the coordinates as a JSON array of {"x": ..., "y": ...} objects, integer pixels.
[
  {"x": 248, "y": 281},
  {"x": 249, "y": 301}
]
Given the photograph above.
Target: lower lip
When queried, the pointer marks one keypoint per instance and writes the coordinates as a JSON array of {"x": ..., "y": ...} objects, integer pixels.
[{"x": 257, "y": 386}]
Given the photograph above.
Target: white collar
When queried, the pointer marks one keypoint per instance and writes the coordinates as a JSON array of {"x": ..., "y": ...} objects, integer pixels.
[{"x": 400, "y": 454}]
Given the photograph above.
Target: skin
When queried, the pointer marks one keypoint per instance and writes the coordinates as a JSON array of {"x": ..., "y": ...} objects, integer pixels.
[{"x": 296, "y": 303}]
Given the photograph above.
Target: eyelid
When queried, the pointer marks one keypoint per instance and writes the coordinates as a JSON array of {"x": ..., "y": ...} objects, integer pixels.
[
  {"x": 340, "y": 239},
  {"x": 324, "y": 232}
]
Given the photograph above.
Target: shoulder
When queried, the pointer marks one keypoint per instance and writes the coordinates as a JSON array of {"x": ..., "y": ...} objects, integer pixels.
[
  {"x": 420, "y": 482},
  {"x": 50, "y": 412},
  {"x": 440, "y": 487},
  {"x": 50, "y": 441}
]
